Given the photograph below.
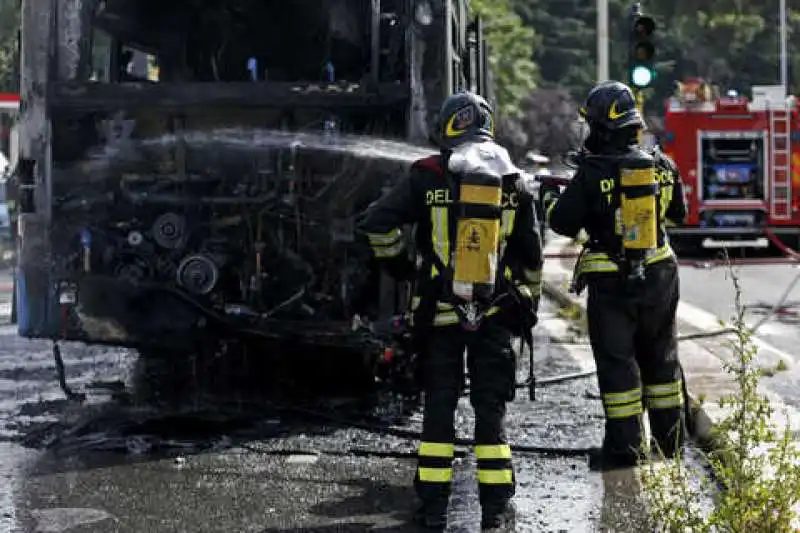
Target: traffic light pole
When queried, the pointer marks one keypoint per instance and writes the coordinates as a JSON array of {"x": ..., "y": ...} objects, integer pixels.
[
  {"x": 641, "y": 50},
  {"x": 633, "y": 14},
  {"x": 639, "y": 94}
]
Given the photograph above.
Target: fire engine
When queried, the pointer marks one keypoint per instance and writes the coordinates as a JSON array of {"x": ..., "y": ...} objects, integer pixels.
[{"x": 740, "y": 170}]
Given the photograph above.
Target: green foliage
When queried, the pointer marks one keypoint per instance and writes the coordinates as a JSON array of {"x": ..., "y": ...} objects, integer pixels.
[
  {"x": 729, "y": 42},
  {"x": 9, "y": 24},
  {"x": 566, "y": 55},
  {"x": 756, "y": 467},
  {"x": 511, "y": 46}
]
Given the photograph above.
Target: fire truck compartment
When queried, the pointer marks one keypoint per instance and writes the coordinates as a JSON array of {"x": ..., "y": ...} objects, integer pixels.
[{"x": 732, "y": 168}]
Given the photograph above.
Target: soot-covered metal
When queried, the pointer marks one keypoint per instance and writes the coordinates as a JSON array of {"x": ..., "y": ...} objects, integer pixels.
[
  {"x": 166, "y": 233},
  {"x": 218, "y": 198}
]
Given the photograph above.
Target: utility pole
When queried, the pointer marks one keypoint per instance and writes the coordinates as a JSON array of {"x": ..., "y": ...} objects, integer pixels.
[
  {"x": 602, "y": 41},
  {"x": 784, "y": 50}
]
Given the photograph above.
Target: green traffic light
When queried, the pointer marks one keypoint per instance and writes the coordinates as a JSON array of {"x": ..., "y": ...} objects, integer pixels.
[{"x": 642, "y": 76}]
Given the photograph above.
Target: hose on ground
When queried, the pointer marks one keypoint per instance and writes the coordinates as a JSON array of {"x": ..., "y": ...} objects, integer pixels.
[
  {"x": 775, "y": 309},
  {"x": 769, "y": 315},
  {"x": 416, "y": 435}
]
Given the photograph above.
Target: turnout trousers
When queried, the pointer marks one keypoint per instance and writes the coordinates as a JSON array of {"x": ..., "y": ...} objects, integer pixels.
[
  {"x": 633, "y": 333},
  {"x": 491, "y": 364}
]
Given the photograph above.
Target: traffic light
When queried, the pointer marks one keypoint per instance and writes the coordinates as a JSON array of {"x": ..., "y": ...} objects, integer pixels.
[{"x": 641, "y": 70}]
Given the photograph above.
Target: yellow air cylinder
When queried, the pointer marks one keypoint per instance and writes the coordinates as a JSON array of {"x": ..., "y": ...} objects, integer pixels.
[
  {"x": 639, "y": 205},
  {"x": 478, "y": 217}
]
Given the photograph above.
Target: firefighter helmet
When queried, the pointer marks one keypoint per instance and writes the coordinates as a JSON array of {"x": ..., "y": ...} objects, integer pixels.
[
  {"x": 464, "y": 116},
  {"x": 611, "y": 105}
]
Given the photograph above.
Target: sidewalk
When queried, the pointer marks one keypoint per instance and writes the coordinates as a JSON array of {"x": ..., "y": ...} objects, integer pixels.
[
  {"x": 702, "y": 359},
  {"x": 6, "y": 292}
]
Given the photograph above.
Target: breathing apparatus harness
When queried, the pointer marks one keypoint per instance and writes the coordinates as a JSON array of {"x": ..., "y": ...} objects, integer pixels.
[
  {"x": 636, "y": 217},
  {"x": 477, "y": 262}
]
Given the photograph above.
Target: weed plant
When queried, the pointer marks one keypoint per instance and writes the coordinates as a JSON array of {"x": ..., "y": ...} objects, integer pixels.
[{"x": 754, "y": 486}]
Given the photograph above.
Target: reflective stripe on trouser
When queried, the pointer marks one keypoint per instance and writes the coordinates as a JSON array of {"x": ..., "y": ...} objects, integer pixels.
[
  {"x": 623, "y": 404},
  {"x": 435, "y": 464},
  {"x": 665, "y": 407},
  {"x": 387, "y": 245},
  {"x": 664, "y": 395},
  {"x": 601, "y": 262},
  {"x": 495, "y": 472}
]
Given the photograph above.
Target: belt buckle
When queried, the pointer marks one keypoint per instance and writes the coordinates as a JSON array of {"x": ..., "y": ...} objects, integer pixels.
[{"x": 471, "y": 316}]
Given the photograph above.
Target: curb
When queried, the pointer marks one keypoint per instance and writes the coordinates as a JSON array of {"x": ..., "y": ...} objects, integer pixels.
[{"x": 699, "y": 423}]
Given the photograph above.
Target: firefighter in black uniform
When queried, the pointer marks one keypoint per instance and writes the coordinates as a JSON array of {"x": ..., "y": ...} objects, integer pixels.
[
  {"x": 622, "y": 196},
  {"x": 476, "y": 291}
]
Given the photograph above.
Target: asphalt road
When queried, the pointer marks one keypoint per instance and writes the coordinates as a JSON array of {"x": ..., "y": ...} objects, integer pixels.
[
  {"x": 711, "y": 289},
  {"x": 763, "y": 288},
  {"x": 149, "y": 452}
]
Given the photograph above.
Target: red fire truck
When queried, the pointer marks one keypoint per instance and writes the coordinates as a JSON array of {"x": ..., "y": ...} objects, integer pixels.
[{"x": 739, "y": 165}]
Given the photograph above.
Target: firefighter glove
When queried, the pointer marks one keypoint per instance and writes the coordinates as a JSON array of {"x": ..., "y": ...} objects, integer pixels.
[{"x": 549, "y": 197}]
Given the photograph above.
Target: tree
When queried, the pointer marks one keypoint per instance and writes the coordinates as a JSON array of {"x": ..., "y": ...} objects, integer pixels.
[
  {"x": 9, "y": 58},
  {"x": 729, "y": 42},
  {"x": 511, "y": 46},
  {"x": 549, "y": 120},
  {"x": 565, "y": 52}
]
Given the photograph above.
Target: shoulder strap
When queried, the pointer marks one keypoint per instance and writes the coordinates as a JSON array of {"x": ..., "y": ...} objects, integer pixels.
[{"x": 432, "y": 163}]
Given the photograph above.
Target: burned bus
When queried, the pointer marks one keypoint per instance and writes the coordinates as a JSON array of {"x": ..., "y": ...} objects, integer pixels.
[{"x": 191, "y": 171}]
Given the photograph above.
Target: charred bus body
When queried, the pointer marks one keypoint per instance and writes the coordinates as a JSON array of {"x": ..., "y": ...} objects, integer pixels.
[{"x": 191, "y": 170}]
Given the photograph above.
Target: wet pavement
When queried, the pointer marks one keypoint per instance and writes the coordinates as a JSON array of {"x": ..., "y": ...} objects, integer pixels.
[{"x": 158, "y": 453}]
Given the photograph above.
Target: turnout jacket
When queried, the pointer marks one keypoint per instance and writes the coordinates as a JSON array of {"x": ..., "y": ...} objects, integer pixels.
[
  {"x": 590, "y": 202},
  {"x": 424, "y": 198}
]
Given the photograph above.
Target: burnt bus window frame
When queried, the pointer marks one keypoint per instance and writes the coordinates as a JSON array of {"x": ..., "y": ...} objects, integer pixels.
[
  {"x": 323, "y": 43},
  {"x": 106, "y": 55}
]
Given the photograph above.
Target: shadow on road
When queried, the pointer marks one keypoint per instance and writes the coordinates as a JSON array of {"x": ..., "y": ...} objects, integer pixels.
[{"x": 390, "y": 502}]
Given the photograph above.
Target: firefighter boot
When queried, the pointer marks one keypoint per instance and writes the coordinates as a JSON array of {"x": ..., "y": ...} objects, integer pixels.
[
  {"x": 432, "y": 515},
  {"x": 499, "y": 517}
]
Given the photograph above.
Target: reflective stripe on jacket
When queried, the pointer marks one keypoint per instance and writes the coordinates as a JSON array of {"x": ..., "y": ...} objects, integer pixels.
[{"x": 593, "y": 262}]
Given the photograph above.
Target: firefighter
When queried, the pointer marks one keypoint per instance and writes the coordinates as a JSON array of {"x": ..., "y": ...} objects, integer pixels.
[
  {"x": 622, "y": 196},
  {"x": 474, "y": 292}
]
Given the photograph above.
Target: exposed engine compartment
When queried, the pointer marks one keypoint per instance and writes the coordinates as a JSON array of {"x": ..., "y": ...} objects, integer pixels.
[{"x": 253, "y": 225}]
